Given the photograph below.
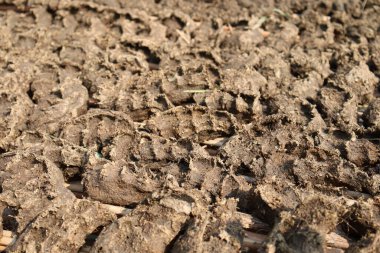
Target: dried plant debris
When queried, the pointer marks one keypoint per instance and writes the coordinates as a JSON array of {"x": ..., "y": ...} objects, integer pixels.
[{"x": 222, "y": 126}]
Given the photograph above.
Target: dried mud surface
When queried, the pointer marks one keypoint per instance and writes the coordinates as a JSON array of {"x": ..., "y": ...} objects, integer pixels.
[{"x": 189, "y": 112}]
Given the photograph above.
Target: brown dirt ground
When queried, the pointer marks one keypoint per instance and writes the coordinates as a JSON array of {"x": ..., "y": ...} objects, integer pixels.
[{"x": 188, "y": 112}]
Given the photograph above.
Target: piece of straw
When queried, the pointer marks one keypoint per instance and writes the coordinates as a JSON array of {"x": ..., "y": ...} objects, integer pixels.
[
  {"x": 118, "y": 210},
  {"x": 75, "y": 186},
  {"x": 253, "y": 240}
]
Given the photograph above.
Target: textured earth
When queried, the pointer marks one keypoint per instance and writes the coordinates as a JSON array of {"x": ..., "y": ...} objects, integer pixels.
[{"x": 190, "y": 113}]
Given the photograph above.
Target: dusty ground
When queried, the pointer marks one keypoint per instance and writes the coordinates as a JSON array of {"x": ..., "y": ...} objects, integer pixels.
[{"x": 189, "y": 111}]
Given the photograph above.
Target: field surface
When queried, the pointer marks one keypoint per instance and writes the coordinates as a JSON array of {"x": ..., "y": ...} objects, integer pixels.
[{"x": 222, "y": 126}]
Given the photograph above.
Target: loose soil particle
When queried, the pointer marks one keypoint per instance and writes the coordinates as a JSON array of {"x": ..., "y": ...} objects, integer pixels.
[{"x": 189, "y": 112}]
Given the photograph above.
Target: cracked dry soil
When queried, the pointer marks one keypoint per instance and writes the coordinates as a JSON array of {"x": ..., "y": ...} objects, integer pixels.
[{"x": 189, "y": 112}]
